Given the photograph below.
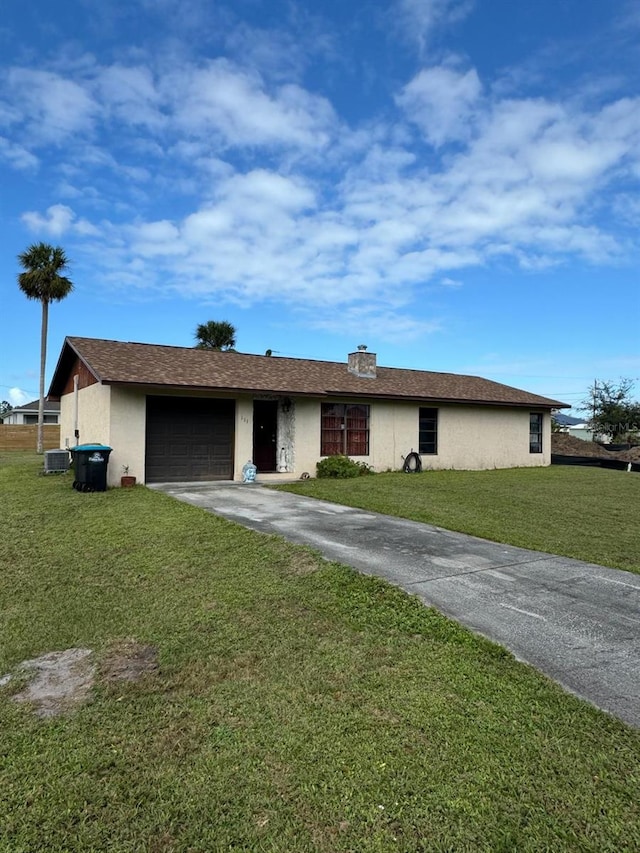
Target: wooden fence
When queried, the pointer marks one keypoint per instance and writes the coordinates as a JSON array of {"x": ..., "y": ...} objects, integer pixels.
[{"x": 25, "y": 437}]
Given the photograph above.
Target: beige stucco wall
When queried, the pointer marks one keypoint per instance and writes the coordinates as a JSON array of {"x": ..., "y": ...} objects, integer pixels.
[
  {"x": 94, "y": 416},
  {"x": 243, "y": 450},
  {"x": 469, "y": 437},
  {"x": 307, "y": 436},
  {"x": 112, "y": 416},
  {"x": 478, "y": 438},
  {"x": 127, "y": 434}
]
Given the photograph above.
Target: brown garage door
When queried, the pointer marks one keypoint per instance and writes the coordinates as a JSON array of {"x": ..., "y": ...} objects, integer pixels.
[{"x": 189, "y": 438}]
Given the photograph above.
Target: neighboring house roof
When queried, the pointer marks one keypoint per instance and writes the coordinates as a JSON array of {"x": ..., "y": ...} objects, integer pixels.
[
  {"x": 32, "y": 407},
  {"x": 191, "y": 369},
  {"x": 566, "y": 420}
]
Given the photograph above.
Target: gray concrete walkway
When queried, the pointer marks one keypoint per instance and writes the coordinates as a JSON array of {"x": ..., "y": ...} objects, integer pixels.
[{"x": 576, "y": 622}]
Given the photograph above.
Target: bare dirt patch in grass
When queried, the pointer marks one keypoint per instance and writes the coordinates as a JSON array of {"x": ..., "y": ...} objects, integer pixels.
[
  {"x": 300, "y": 562},
  {"x": 303, "y": 563},
  {"x": 129, "y": 660},
  {"x": 57, "y": 683}
]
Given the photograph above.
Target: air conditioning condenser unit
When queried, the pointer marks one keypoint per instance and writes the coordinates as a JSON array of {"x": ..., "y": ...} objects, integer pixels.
[{"x": 56, "y": 461}]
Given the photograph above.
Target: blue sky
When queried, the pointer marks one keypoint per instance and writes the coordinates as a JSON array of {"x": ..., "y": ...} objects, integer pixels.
[{"x": 454, "y": 183}]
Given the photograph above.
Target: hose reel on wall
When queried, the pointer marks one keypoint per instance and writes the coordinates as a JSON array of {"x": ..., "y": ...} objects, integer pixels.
[{"x": 412, "y": 463}]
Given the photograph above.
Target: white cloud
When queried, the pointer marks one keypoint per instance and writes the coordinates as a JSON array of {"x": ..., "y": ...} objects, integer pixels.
[
  {"x": 526, "y": 180},
  {"x": 261, "y": 187},
  {"x": 421, "y": 19},
  {"x": 220, "y": 184},
  {"x": 17, "y": 155},
  {"x": 18, "y": 397},
  {"x": 575, "y": 239},
  {"x": 518, "y": 190},
  {"x": 212, "y": 106},
  {"x": 442, "y": 102},
  {"x": 155, "y": 239},
  {"x": 571, "y": 159},
  {"x": 235, "y": 105},
  {"x": 619, "y": 123},
  {"x": 53, "y": 107},
  {"x": 58, "y": 220},
  {"x": 131, "y": 95},
  {"x": 627, "y": 208}
]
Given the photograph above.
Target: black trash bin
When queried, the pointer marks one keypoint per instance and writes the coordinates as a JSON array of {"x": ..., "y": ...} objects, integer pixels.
[{"x": 90, "y": 467}]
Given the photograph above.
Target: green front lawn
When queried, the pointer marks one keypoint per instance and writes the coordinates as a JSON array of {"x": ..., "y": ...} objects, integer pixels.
[
  {"x": 587, "y": 513},
  {"x": 298, "y": 706}
]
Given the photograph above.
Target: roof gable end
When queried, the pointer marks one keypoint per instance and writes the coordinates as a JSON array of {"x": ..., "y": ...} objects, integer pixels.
[{"x": 68, "y": 358}]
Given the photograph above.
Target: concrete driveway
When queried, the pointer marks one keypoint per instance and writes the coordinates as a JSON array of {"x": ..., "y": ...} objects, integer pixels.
[{"x": 578, "y": 623}]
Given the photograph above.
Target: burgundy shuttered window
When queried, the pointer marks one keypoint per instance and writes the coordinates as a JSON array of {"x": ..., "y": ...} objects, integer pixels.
[{"x": 345, "y": 429}]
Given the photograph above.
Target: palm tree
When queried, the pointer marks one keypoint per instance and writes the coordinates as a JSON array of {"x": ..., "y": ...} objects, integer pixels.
[
  {"x": 217, "y": 335},
  {"x": 42, "y": 280}
]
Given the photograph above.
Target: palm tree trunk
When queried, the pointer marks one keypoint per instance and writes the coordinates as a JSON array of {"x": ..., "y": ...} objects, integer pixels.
[{"x": 43, "y": 359}]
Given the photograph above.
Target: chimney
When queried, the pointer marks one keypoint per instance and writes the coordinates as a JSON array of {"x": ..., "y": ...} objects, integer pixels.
[{"x": 362, "y": 363}]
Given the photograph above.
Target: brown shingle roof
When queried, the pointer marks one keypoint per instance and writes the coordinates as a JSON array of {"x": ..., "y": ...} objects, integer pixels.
[{"x": 116, "y": 362}]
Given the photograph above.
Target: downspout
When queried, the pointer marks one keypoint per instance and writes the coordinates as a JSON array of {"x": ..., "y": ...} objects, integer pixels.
[{"x": 76, "y": 431}]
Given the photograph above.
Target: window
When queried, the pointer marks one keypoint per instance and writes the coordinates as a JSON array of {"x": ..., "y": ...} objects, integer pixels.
[
  {"x": 428, "y": 431},
  {"x": 33, "y": 419},
  {"x": 344, "y": 429},
  {"x": 535, "y": 433}
]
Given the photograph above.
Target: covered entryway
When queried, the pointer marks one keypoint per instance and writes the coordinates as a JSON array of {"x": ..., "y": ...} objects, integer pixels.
[
  {"x": 189, "y": 438},
  {"x": 265, "y": 435}
]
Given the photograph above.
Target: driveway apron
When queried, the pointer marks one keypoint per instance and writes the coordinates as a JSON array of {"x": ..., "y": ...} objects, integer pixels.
[{"x": 578, "y": 623}]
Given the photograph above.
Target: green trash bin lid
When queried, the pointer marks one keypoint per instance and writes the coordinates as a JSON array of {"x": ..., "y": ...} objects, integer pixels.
[{"x": 90, "y": 447}]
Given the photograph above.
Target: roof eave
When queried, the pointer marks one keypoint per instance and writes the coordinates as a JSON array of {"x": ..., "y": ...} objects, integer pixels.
[
  {"x": 61, "y": 372},
  {"x": 535, "y": 402},
  {"x": 410, "y": 398},
  {"x": 225, "y": 389}
]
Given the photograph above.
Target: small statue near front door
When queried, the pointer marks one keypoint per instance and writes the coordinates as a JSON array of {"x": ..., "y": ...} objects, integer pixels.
[{"x": 249, "y": 472}]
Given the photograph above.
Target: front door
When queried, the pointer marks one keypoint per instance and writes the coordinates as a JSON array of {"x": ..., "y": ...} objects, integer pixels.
[{"x": 265, "y": 435}]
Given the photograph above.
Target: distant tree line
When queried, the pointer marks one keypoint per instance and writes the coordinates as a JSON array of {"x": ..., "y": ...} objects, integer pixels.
[{"x": 612, "y": 411}]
